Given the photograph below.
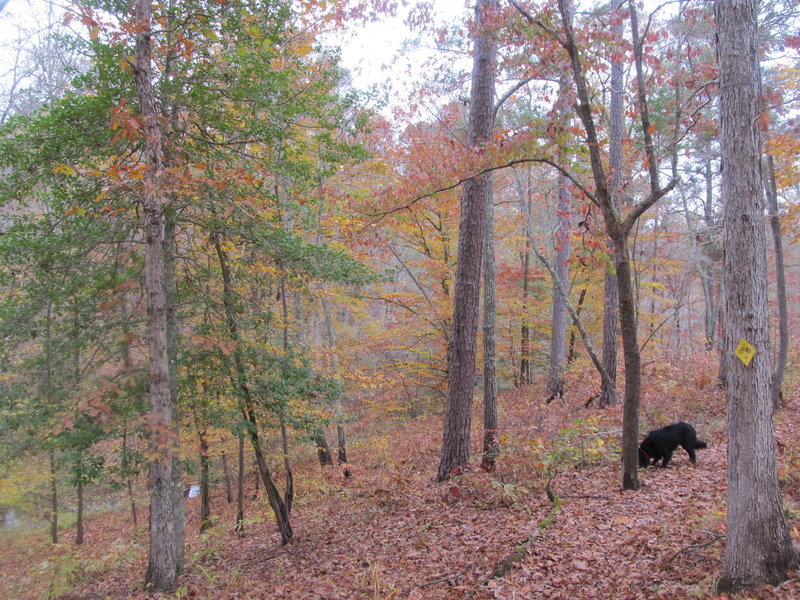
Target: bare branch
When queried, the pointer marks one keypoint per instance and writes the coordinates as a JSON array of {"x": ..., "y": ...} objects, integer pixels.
[
  {"x": 463, "y": 180},
  {"x": 510, "y": 93}
]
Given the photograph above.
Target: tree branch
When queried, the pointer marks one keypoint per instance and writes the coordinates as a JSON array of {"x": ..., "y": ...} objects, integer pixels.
[
  {"x": 537, "y": 22},
  {"x": 640, "y": 208},
  {"x": 512, "y": 163}
]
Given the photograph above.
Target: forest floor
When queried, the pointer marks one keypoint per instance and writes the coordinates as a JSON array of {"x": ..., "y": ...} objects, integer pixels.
[{"x": 390, "y": 531}]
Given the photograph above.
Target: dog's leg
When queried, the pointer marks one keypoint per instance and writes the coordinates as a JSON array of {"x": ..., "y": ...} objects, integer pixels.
[
  {"x": 692, "y": 455},
  {"x": 667, "y": 457}
]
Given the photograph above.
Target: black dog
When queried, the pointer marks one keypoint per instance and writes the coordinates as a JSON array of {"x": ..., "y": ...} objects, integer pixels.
[{"x": 661, "y": 443}]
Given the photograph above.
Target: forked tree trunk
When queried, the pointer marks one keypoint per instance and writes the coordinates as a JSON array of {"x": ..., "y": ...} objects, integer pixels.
[
  {"x": 474, "y": 198},
  {"x": 618, "y": 230},
  {"x": 758, "y": 546},
  {"x": 162, "y": 560}
]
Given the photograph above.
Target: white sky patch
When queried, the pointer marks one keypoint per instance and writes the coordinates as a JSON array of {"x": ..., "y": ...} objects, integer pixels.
[{"x": 384, "y": 53}]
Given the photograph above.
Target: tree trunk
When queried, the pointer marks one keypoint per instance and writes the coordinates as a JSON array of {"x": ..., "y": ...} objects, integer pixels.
[
  {"x": 491, "y": 436},
  {"x": 162, "y": 561},
  {"x": 226, "y": 471},
  {"x": 288, "y": 492},
  {"x": 780, "y": 275},
  {"x": 474, "y": 198},
  {"x": 323, "y": 449},
  {"x": 524, "y": 346},
  {"x": 562, "y": 246},
  {"x": 558, "y": 328},
  {"x": 758, "y": 545},
  {"x": 587, "y": 343},
  {"x": 338, "y": 413},
  {"x": 525, "y": 376},
  {"x": 170, "y": 291},
  {"x": 572, "y": 334},
  {"x": 205, "y": 492},
  {"x": 633, "y": 367},
  {"x": 247, "y": 405},
  {"x": 128, "y": 478},
  {"x": 53, "y": 499},
  {"x": 618, "y": 229},
  {"x": 240, "y": 487},
  {"x": 79, "y": 523}
]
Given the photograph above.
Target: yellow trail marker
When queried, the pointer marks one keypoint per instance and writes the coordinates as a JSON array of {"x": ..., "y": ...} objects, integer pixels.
[{"x": 745, "y": 352}]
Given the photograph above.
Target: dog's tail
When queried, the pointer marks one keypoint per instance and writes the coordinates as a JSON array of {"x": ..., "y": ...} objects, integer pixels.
[{"x": 700, "y": 444}]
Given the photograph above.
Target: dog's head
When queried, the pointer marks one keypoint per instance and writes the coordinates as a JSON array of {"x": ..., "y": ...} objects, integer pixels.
[{"x": 644, "y": 458}]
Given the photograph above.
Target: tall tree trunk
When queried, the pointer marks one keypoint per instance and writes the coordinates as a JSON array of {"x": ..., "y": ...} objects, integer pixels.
[
  {"x": 288, "y": 492},
  {"x": 633, "y": 366},
  {"x": 562, "y": 247},
  {"x": 170, "y": 291},
  {"x": 618, "y": 230},
  {"x": 491, "y": 436},
  {"x": 758, "y": 546},
  {"x": 79, "y": 493},
  {"x": 226, "y": 471},
  {"x": 132, "y": 502},
  {"x": 558, "y": 322},
  {"x": 205, "y": 492},
  {"x": 780, "y": 276},
  {"x": 525, "y": 375},
  {"x": 474, "y": 198},
  {"x": 53, "y": 498},
  {"x": 573, "y": 332},
  {"x": 162, "y": 561},
  {"x": 247, "y": 405},
  {"x": 126, "y": 363},
  {"x": 172, "y": 127},
  {"x": 523, "y": 190},
  {"x": 587, "y": 343},
  {"x": 338, "y": 413},
  {"x": 240, "y": 487}
]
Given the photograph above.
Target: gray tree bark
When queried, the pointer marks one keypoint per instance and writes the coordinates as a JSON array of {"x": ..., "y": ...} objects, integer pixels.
[
  {"x": 776, "y": 389},
  {"x": 491, "y": 438},
  {"x": 162, "y": 559},
  {"x": 562, "y": 245},
  {"x": 618, "y": 229},
  {"x": 611, "y": 291},
  {"x": 338, "y": 412},
  {"x": 474, "y": 198},
  {"x": 53, "y": 498},
  {"x": 758, "y": 545},
  {"x": 247, "y": 403}
]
